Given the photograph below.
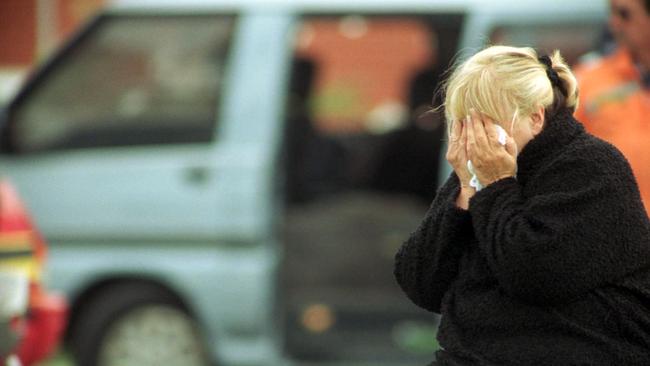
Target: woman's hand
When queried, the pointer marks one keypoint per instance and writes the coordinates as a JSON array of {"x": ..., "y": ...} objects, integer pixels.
[
  {"x": 491, "y": 160},
  {"x": 457, "y": 157}
]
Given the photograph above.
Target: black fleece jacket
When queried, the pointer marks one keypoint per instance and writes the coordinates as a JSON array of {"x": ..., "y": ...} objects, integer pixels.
[{"x": 550, "y": 268}]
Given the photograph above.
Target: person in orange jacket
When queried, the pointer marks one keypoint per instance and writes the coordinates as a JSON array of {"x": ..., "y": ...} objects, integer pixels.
[{"x": 615, "y": 89}]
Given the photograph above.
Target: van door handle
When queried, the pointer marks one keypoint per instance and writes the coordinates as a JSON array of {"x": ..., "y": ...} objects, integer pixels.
[{"x": 197, "y": 175}]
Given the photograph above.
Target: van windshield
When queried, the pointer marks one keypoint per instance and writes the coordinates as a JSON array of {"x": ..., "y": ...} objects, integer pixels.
[{"x": 128, "y": 80}]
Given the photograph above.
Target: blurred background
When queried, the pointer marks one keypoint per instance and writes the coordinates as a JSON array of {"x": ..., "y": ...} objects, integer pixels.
[
  {"x": 222, "y": 182},
  {"x": 31, "y": 30}
]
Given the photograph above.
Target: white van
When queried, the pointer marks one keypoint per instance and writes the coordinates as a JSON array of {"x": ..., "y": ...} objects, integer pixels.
[{"x": 227, "y": 182}]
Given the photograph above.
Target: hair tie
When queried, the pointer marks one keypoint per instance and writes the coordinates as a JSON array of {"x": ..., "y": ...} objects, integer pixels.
[{"x": 552, "y": 74}]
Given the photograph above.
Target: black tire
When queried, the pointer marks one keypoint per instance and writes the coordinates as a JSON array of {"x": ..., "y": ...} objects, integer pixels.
[{"x": 114, "y": 306}]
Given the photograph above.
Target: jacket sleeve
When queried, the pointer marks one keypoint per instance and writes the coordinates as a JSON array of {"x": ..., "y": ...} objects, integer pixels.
[
  {"x": 427, "y": 262},
  {"x": 583, "y": 227}
]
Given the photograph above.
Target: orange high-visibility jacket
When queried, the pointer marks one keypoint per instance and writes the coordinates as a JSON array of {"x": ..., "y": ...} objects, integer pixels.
[{"x": 615, "y": 107}]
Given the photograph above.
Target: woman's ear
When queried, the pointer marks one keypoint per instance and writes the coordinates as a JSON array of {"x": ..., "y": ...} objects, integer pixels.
[{"x": 537, "y": 121}]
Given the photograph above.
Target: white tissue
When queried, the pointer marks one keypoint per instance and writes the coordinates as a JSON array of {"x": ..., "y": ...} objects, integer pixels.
[
  {"x": 474, "y": 182},
  {"x": 503, "y": 136}
]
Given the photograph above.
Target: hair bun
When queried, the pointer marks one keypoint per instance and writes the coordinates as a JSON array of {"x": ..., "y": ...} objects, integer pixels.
[
  {"x": 568, "y": 82},
  {"x": 552, "y": 74}
]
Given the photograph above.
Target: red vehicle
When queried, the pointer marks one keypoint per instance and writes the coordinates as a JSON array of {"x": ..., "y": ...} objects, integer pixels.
[{"x": 35, "y": 331}]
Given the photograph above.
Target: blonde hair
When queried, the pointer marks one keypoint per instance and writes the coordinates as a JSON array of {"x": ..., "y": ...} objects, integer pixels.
[{"x": 505, "y": 82}]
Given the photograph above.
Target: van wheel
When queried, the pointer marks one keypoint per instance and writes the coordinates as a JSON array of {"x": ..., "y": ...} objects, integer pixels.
[{"x": 135, "y": 324}]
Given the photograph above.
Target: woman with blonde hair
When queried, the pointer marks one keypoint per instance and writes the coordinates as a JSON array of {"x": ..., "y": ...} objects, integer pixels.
[{"x": 536, "y": 251}]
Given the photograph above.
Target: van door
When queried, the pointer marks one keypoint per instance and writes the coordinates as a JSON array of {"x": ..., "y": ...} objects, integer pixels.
[
  {"x": 363, "y": 147},
  {"x": 117, "y": 136}
]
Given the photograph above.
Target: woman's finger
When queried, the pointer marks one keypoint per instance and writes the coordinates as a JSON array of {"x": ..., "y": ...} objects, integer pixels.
[
  {"x": 479, "y": 131},
  {"x": 463, "y": 141},
  {"x": 463, "y": 133},
  {"x": 511, "y": 147},
  {"x": 455, "y": 131},
  {"x": 471, "y": 138},
  {"x": 454, "y": 146},
  {"x": 491, "y": 131}
]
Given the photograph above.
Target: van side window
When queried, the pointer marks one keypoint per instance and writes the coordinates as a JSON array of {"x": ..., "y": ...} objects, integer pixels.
[
  {"x": 361, "y": 98},
  {"x": 128, "y": 80}
]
